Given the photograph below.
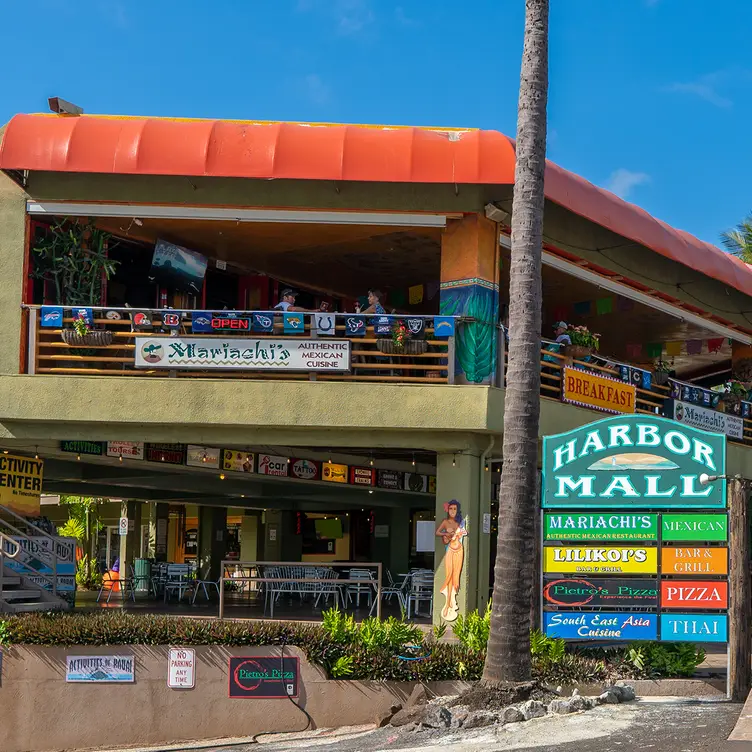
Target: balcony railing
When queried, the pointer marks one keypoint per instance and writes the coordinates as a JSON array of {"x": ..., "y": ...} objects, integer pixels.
[
  {"x": 128, "y": 342},
  {"x": 658, "y": 399}
]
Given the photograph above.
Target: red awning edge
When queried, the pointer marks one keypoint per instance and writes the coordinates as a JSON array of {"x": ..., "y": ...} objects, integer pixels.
[{"x": 305, "y": 151}]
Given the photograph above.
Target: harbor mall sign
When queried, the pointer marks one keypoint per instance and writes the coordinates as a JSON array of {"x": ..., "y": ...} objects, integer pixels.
[
  {"x": 635, "y": 543},
  {"x": 633, "y": 462}
]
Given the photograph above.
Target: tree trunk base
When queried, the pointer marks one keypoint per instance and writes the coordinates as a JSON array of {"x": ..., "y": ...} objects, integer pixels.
[{"x": 492, "y": 696}]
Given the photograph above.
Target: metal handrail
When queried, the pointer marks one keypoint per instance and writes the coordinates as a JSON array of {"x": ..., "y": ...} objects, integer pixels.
[
  {"x": 344, "y": 565},
  {"x": 137, "y": 309},
  {"x": 37, "y": 533}
]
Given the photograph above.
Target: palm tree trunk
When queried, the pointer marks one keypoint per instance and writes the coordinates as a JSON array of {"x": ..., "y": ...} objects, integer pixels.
[{"x": 508, "y": 657}]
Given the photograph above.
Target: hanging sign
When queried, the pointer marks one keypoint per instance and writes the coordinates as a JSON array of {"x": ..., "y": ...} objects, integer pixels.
[
  {"x": 600, "y": 559},
  {"x": 96, "y": 448},
  {"x": 362, "y": 476},
  {"x": 239, "y": 462},
  {"x": 21, "y": 484},
  {"x": 266, "y": 677},
  {"x": 604, "y": 592},
  {"x": 334, "y": 473},
  {"x": 201, "y": 456},
  {"x": 690, "y": 594},
  {"x": 604, "y": 625},
  {"x": 633, "y": 461},
  {"x": 695, "y": 560},
  {"x": 416, "y": 482},
  {"x": 170, "y": 454},
  {"x": 601, "y": 392},
  {"x": 266, "y": 354},
  {"x": 181, "y": 668},
  {"x": 708, "y": 420},
  {"x": 391, "y": 479},
  {"x": 269, "y": 464},
  {"x": 604, "y": 526},
  {"x": 694, "y": 527},
  {"x": 133, "y": 450},
  {"x": 231, "y": 324},
  {"x": 305, "y": 469}
]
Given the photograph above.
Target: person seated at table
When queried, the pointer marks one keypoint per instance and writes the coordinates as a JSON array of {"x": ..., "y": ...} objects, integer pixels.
[
  {"x": 287, "y": 301},
  {"x": 374, "y": 303},
  {"x": 560, "y": 332}
]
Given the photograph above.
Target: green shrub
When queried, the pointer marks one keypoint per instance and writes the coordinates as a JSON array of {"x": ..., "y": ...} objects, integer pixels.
[
  {"x": 472, "y": 630},
  {"x": 542, "y": 646}
]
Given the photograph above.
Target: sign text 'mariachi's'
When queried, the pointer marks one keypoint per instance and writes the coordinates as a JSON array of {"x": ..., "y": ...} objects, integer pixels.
[{"x": 21, "y": 473}]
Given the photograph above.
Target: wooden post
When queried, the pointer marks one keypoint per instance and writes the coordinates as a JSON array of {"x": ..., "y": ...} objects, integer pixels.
[{"x": 740, "y": 593}]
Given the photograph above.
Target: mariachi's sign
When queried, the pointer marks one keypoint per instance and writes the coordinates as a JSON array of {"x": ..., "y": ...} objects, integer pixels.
[
  {"x": 604, "y": 526},
  {"x": 692, "y": 594},
  {"x": 633, "y": 462},
  {"x": 708, "y": 420},
  {"x": 600, "y": 392},
  {"x": 599, "y": 591},
  {"x": 251, "y": 354},
  {"x": 694, "y": 560},
  {"x": 694, "y": 527},
  {"x": 597, "y": 625},
  {"x": 600, "y": 559}
]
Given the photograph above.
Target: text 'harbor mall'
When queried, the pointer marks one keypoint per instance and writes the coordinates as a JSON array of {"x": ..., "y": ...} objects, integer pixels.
[{"x": 274, "y": 355}]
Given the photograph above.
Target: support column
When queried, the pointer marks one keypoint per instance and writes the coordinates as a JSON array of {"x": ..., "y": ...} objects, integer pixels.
[
  {"x": 129, "y": 544},
  {"x": 212, "y": 543},
  {"x": 159, "y": 518},
  {"x": 470, "y": 287},
  {"x": 457, "y": 561}
]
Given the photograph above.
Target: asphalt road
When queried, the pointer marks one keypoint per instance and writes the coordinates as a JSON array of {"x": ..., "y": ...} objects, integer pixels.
[{"x": 657, "y": 725}]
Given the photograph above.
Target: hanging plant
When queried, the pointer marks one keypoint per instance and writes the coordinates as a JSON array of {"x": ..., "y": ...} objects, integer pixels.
[{"x": 72, "y": 258}]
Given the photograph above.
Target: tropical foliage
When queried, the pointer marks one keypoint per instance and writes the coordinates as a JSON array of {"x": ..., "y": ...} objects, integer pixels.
[
  {"x": 84, "y": 525},
  {"x": 73, "y": 257},
  {"x": 739, "y": 240},
  {"x": 374, "y": 649}
]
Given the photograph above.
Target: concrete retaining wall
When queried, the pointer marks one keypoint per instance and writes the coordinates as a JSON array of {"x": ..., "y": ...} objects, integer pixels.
[{"x": 40, "y": 712}]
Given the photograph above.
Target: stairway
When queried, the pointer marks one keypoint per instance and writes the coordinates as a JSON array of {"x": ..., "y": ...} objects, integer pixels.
[{"x": 29, "y": 565}]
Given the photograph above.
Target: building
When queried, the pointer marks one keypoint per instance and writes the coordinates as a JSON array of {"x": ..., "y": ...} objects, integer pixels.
[{"x": 222, "y": 456}]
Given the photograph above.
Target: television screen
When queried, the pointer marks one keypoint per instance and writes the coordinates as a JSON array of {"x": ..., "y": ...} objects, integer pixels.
[
  {"x": 177, "y": 267},
  {"x": 331, "y": 528}
]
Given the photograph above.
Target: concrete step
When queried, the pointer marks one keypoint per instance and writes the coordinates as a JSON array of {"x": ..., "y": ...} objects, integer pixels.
[
  {"x": 18, "y": 608},
  {"x": 11, "y": 580},
  {"x": 20, "y": 595}
]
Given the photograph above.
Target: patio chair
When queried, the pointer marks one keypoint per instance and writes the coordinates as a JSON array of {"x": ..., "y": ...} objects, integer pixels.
[
  {"x": 328, "y": 589},
  {"x": 124, "y": 585},
  {"x": 394, "y": 588},
  {"x": 205, "y": 585},
  {"x": 356, "y": 588},
  {"x": 177, "y": 580},
  {"x": 421, "y": 589}
]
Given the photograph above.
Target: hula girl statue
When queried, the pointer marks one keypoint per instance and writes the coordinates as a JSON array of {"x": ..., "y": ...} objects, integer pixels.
[{"x": 451, "y": 531}]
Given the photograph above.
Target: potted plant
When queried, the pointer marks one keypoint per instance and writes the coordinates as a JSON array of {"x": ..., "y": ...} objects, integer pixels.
[
  {"x": 72, "y": 258},
  {"x": 734, "y": 392},
  {"x": 584, "y": 342},
  {"x": 661, "y": 370},
  {"x": 400, "y": 342}
]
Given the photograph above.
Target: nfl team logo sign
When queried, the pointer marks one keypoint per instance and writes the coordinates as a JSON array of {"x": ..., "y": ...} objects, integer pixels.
[{"x": 171, "y": 319}]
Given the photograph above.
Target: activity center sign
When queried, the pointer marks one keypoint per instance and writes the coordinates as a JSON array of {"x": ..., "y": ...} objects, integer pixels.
[{"x": 613, "y": 571}]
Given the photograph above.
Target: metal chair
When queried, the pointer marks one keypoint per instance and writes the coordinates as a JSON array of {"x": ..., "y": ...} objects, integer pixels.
[
  {"x": 177, "y": 580},
  {"x": 202, "y": 584},
  {"x": 124, "y": 585},
  {"x": 327, "y": 589},
  {"x": 357, "y": 588},
  {"x": 421, "y": 589}
]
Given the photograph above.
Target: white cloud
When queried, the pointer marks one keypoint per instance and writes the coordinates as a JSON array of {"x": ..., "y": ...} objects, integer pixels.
[
  {"x": 403, "y": 19},
  {"x": 349, "y": 16},
  {"x": 622, "y": 181},
  {"x": 704, "y": 88},
  {"x": 352, "y": 15},
  {"x": 318, "y": 92}
]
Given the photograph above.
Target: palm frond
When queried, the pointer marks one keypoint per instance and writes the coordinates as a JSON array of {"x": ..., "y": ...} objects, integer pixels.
[{"x": 739, "y": 240}]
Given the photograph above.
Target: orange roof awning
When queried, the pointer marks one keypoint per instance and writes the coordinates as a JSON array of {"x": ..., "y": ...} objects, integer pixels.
[{"x": 305, "y": 151}]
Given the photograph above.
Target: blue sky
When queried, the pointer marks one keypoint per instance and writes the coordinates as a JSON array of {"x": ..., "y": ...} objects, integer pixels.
[{"x": 648, "y": 97}]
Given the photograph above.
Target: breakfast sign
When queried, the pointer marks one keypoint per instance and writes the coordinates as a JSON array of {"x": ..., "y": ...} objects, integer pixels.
[{"x": 634, "y": 537}]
